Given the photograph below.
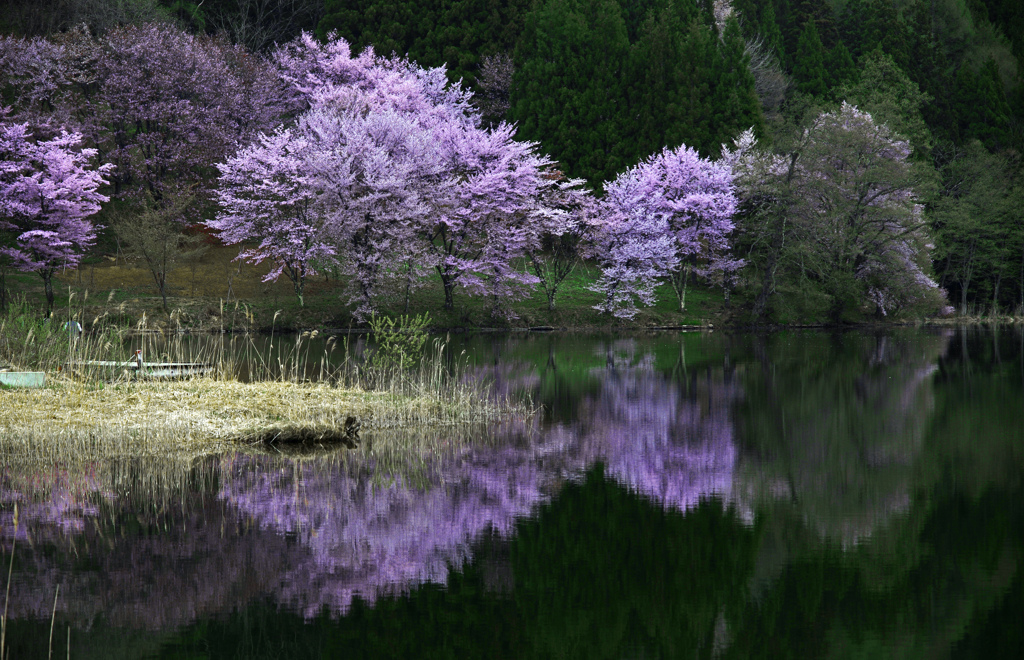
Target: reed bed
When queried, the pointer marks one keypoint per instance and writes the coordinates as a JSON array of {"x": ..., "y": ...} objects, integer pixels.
[
  {"x": 251, "y": 392},
  {"x": 204, "y": 415}
]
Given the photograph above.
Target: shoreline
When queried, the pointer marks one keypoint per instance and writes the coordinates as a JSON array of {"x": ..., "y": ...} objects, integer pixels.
[{"x": 582, "y": 329}]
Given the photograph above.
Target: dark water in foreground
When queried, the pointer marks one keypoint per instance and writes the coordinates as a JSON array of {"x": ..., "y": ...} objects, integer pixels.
[{"x": 701, "y": 495}]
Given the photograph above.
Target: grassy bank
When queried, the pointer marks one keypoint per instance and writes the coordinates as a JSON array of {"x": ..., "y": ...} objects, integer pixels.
[
  {"x": 206, "y": 415},
  {"x": 220, "y": 293}
]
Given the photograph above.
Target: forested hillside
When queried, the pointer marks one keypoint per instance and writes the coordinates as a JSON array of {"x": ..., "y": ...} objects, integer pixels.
[
  {"x": 873, "y": 147},
  {"x": 603, "y": 83}
]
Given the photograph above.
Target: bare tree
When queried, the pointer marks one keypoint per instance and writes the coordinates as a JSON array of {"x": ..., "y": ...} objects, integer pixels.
[
  {"x": 156, "y": 233},
  {"x": 770, "y": 81},
  {"x": 45, "y": 17},
  {"x": 495, "y": 82},
  {"x": 259, "y": 24}
]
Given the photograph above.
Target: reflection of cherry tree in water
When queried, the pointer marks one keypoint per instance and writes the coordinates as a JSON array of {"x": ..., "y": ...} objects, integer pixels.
[
  {"x": 142, "y": 555},
  {"x": 366, "y": 537},
  {"x": 670, "y": 444},
  {"x": 53, "y": 502},
  {"x": 316, "y": 533}
]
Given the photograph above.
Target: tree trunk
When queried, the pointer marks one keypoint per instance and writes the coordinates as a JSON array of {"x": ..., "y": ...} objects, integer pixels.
[
  {"x": 679, "y": 283},
  {"x": 161, "y": 286},
  {"x": 448, "y": 281},
  {"x": 449, "y": 295},
  {"x": 408, "y": 284},
  {"x": 995, "y": 293},
  {"x": 551, "y": 297},
  {"x": 761, "y": 302},
  {"x": 298, "y": 277},
  {"x": 48, "y": 287}
]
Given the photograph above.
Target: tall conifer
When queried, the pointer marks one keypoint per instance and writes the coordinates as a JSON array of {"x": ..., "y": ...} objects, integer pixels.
[{"x": 809, "y": 62}]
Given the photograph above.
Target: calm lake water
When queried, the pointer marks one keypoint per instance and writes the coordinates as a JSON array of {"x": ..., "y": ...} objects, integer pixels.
[{"x": 800, "y": 494}]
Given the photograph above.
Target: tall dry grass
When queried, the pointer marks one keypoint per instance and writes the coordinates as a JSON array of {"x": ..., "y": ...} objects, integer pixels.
[{"x": 280, "y": 385}]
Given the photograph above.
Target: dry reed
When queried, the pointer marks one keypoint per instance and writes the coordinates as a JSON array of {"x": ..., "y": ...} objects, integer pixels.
[{"x": 93, "y": 412}]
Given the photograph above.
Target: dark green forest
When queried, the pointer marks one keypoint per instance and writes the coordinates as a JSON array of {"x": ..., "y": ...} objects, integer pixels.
[{"x": 602, "y": 84}]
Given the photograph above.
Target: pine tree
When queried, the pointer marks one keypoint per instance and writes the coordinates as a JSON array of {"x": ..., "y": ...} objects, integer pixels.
[{"x": 990, "y": 119}]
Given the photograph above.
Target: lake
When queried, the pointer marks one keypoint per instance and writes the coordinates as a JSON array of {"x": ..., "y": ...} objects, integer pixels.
[{"x": 724, "y": 495}]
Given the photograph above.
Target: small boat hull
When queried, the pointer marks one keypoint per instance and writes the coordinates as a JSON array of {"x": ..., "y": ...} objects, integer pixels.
[{"x": 23, "y": 379}]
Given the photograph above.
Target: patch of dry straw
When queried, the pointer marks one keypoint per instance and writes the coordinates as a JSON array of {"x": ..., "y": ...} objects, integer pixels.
[{"x": 203, "y": 415}]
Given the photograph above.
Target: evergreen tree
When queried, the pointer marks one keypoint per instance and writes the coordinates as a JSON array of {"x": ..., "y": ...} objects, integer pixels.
[
  {"x": 599, "y": 101},
  {"x": 839, "y": 66},
  {"x": 809, "y": 62},
  {"x": 567, "y": 89},
  {"x": 431, "y": 32},
  {"x": 989, "y": 121},
  {"x": 770, "y": 30},
  {"x": 886, "y": 92}
]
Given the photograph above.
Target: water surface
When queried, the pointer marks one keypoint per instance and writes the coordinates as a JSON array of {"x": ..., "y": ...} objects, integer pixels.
[{"x": 800, "y": 494}]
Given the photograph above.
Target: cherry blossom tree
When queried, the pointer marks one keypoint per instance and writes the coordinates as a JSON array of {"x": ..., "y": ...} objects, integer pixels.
[
  {"x": 397, "y": 176},
  {"x": 315, "y": 70},
  {"x": 634, "y": 252},
  {"x": 378, "y": 175},
  {"x": 266, "y": 196},
  {"x": 567, "y": 217},
  {"x": 174, "y": 104},
  {"x": 674, "y": 195},
  {"x": 488, "y": 221},
  {"x": 47, "y": 193},
  {"x": 34, "y": 78}
]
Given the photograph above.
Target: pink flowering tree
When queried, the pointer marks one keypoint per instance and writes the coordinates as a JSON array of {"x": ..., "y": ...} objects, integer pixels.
[
  {"x": 50, "y": 83},
  {"x": 376, "y": 174},
  {"x": 398, "y": 178},
  {"x": 634, "y": 252},
  {"x": 488, "y": 221},
  {"x": 677, "y": 195},
  {"x": 266, "y": 200},
  {"x": 47, "y": 193},
  {"x": 568, "y": 218},
  {"x": 312, "y": 69},
  {"x": 174, "y": 104}
]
